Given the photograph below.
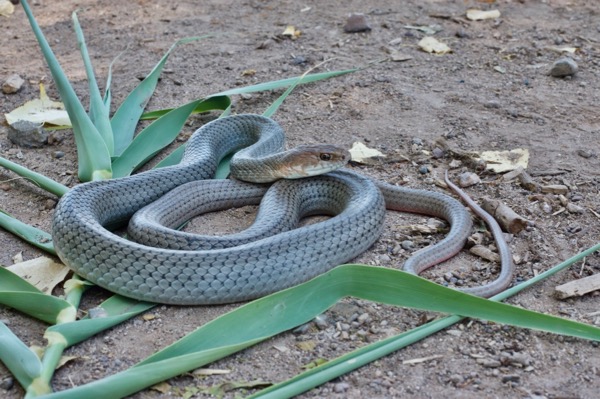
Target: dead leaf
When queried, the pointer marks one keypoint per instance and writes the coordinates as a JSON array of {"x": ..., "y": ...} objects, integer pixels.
[
  {"x": 570, "y": 50},
  {"x": 18, "y": 258},
  {"x": 504, "y": 161},
  {"x": 43, "y": 273},
  {"x": 479, "y": 15},
  {"x": 6, "y": 8},
  {"x": 291, "y": 32},
  {"x": 362, "y": 154},
  {"x": 203, "y": 371},
  {"x": 306, "y": 346},
  {"x": 161, "y": 387},
  {"x": 64, "y": 360},
  {"x": 432, "y": 45},
  {"x": 40, "y": 111}
]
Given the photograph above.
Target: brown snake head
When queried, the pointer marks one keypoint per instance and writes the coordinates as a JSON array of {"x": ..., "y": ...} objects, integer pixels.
[{"x": 312, "y": 160}]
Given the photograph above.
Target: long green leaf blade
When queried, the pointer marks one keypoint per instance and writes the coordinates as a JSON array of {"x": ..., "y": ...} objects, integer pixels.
[
  {"x": 369, "y": 353},
  {"x": 94, "y": 158},
  {"x": 152, "y": 139},
  {"x": 127, "y": 116},
  {"x": 286, "y": 309},
  {"x": 24, "y": 365},
  {"x": 42, "y": 181},
  {"x": 30, "y": 234},
  {"x": 98, "y": 111},
  {"x": 278, "y": 84},
  {"x": 117, "y": 308},
  {"x": 208, "y": 104}
]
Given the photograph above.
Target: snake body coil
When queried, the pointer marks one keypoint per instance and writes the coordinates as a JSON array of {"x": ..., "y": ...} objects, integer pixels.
[{"x": 180, "y": 269}]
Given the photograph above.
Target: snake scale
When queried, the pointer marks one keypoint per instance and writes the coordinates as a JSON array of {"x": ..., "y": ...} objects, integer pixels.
[{"x": 179, "y": 268}]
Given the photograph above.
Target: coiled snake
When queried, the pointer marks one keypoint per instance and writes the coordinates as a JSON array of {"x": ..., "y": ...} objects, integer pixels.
[{"x": 177, "y": 268}]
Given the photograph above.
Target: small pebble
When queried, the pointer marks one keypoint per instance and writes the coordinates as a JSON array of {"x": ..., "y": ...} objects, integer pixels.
[
  {"x": 341, "y": 387},
  {"x": 423, "y": 169},
  {"x": 7, "y": 383},
  {"x": 489, "y": 363},
  {"x": 58, "y": 154},
  {"x": 356, "y": 23},
  {"x": 585, "y": 153},
  {"x": 12, "y": 84},
  {"x": 417, "y": 141},
  {"x": 385, "y": 258},
  {"x": 572, "y": 208},
  {"x": 563, "y": 67},
  {"x": 49, "y": 204},
  {"x": 407, "y": 244},
  {"x": 492, "y": 104},
  {"x": 468, "y": 179},
  {"x": 511, "y": 378},
  {"x": 437, "y": 153}
]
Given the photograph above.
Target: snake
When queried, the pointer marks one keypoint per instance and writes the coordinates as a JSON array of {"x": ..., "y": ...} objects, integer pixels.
[{"x": 274, "y": 253}]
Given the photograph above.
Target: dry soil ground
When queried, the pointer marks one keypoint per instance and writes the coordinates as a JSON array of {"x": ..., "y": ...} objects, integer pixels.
[{"x": 491, "y": 93}]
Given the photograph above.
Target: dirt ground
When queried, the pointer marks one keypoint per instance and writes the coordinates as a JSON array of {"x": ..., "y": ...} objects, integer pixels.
[{"x": 491, "y": 93}]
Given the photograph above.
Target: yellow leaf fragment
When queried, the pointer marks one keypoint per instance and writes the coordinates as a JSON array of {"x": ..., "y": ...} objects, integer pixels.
[
  {"x": 504, "y": 161},
  {"x": 362, "y": 154},
  {"x": 6, "y": 8},
  {"x": 41, "y": 110},
  {"x": 479, "y": 15},
  {"x": 161, "y": 387},
  {"x": 43, "y": 273},
  {"x": 570, "y": 50},
  {"x": 291, "y": 32},
  {"x": 306, "y": 346},
  {"x": 432, "y": 45},
  {"x": 64, "y": 360}
]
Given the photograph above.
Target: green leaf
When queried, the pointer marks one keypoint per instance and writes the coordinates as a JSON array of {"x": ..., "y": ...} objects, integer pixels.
[
  {"x": 98, "y": 110},
  {"x": 278, "y": 84},
  {"x": 289, "y": 308},
  {"x": 24, "y": 297},
  {"x": 30, "y": 234},
  {"x": 208, "y": 104},
  {"x": 93, "y": 155},
  {"x": 43, "y": 307},
  {"x": 126, "y": 118},
  {"x": 152, "y": 139},
  {"x": 24, "y": 365},
  {"x": 40, "y": 180},
  {"x": 359, "y": 357},
  {"x": 117, "y": 308}
]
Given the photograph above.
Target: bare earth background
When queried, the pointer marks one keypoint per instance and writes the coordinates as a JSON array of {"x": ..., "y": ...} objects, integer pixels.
[{"x": 390, "y": 106}]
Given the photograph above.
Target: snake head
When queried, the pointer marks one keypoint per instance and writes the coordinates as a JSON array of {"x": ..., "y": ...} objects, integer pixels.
[{"x": 312, "y": 160}]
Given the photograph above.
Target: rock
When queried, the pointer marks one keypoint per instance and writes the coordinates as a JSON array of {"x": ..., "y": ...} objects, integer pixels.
[
  {"x": 407, "y": 245},
  {"x": 7, "y": 383},
  {"x": 356, "y": 23},
  {"x": 12, "y": 84},
  {"x": 572, "y": 208},
  {"x": 468, "y": 179},
  {"x": 585, "y": 153},
  {"x": 58, "y": 154},
  {"x": 341, "y": 387},
  {"x": 423, "y": 169},
  {"x": 563, "y": 67},
  {"x": 27, "y": 134}
]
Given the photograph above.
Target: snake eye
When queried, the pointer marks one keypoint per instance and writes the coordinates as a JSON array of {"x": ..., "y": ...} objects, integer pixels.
[{"x": 324, "y": 156}]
